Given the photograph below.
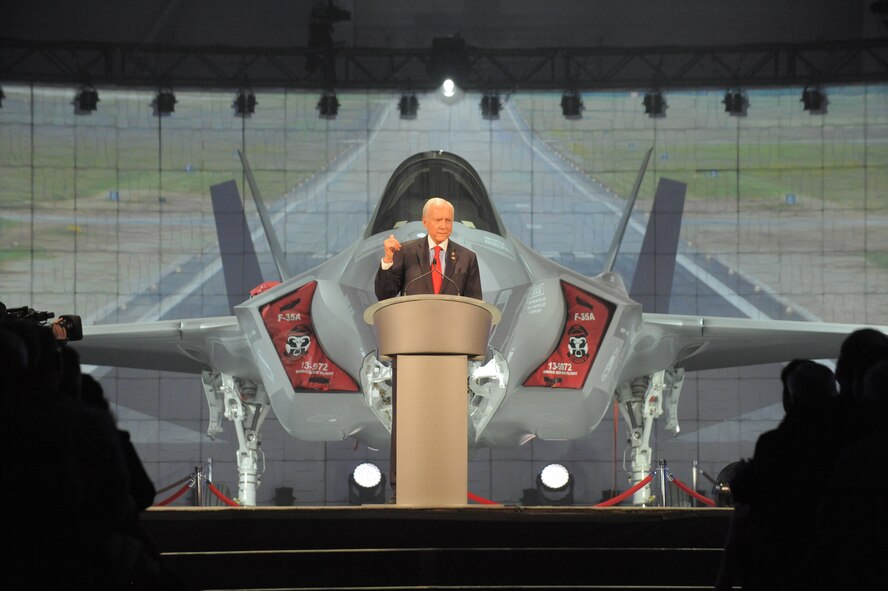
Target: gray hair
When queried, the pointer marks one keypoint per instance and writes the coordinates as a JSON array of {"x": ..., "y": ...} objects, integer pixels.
[{"x": 434, "y": 202}]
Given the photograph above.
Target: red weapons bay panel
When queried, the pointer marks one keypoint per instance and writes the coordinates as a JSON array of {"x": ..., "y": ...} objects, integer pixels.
[
  {"x": 584, "y": 327},
  {"x": 288, "y": 321}
]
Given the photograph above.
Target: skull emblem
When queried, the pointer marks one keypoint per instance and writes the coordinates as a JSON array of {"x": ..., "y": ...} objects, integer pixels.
[
  {"x": 577, "y": 343},
  {"x": 298, "y": 342}
]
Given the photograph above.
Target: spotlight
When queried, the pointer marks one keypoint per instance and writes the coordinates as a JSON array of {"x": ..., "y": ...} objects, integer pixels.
[
  {"x": 813, "y": 100},
  {"x": 366, "y": 485},
  {"x": 554, "y": 486},
  {"x": 245, "y": 102},
  {"x": 571, "y": 104},
  {"x": 449, "y": 92},
  {"x": 86, "y": 100},
  {"x": 490, "y": 105},
  {"x": 328, "y": 106},
  {"x": 448, "y": 88},
  {"x": 654, "y": 104},
  {"x": 408, "y": 105},
  {"x": 164, "y": 103},
  {"x": 735, "y": 103}
]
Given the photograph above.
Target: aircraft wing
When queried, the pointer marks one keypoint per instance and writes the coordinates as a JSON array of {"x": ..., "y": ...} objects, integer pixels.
[
  {"x": 706, "y": 342},
  {"x": 189, "y": 346}
]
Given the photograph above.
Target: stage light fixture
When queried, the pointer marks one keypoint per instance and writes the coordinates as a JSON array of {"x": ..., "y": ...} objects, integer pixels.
[
  {"x": 366, "y": 485},
  {"x": 490, "y": 106},
  {"x": 813, "y": 100},
  {"x": 87, "y": 100},
  {"x": 721, "y": 488},
  {"x": 408, "y": 106},
  {"x": 328, "y": 105},
  {"x": 654, "y": 104},
  {"x": 245, "y": 102},
  {"x": 571, "y": 104},
  {"x": 554, "y": 487},
  {"x": 735, "y": 103},
  {"x": 448, "y": 88},
  {"x": 164, "y": 103}
]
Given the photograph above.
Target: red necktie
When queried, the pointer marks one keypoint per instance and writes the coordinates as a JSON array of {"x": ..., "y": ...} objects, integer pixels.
[{"x": 436, "y": 271}]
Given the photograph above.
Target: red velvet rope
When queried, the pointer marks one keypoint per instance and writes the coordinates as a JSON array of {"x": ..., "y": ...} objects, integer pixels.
[
  {"x": 482, "y": 500},
  {"x": 175, "y": 495},
  {"x": 624, "y": 495},
  {"x": 693, "y": 493},
  {"x": 222, "y": 497}
]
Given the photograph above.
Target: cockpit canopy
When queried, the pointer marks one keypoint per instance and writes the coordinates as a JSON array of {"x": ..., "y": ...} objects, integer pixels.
[{"x": 434, "y": 174}]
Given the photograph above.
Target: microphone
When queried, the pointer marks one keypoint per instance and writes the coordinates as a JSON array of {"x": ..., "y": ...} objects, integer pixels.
[
  {"x": 435, "y": 269},
  {"x": 415, "y": 279}
]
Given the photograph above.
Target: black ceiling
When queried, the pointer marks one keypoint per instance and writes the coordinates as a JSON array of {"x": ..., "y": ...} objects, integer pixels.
[{"x": 507, "y": 44}]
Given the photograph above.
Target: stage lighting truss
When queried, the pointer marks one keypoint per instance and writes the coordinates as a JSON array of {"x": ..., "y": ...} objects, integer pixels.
[
  {"x": 366, "y": 485},
  {"x": 490, "y": 105},
  {"x": 572, "y": 104},
  {"x": 164, "y": 102},
  {"x": 449, "y": 60},
  {"x": 735, "y": 103},
  {"x": 245, "y": 102},
  {"x": 408, "y": 106},
  {"x": 87, "y": 100},
  {"x": 654, "y": 104},
  {"x": 328, "y": 105}
]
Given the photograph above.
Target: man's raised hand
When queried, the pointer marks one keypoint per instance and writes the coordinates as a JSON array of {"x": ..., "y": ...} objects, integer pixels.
[{"x": 391, "y": 244}]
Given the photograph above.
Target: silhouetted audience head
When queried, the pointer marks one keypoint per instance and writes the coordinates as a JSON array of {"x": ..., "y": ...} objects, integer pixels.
[
  {"x": 784, "y": 374},
  {"x": 875, "y": 384},
  {"x": 44, "y": 363},
  {"x": 808, "y": 386},
  {"x": 13, "y": 364},
  {"x": 860, "y": 350},
  {"x": 92, "y": 393}
]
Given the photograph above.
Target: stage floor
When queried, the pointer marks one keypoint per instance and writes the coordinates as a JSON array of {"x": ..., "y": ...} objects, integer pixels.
[{"x": 472, "y": 547}]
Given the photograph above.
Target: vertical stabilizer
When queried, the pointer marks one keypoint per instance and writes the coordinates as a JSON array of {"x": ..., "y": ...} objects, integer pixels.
[
  {"x": 276, "y": 251},
  {"x": 239, "y": 261},
  {"x": 652, "y": 284}
]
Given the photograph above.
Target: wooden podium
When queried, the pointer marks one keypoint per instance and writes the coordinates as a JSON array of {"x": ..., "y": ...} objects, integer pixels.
[{"x": 431, "y": 338}]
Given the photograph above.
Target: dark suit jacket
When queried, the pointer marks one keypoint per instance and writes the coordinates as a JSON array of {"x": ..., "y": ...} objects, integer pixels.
[{"x": 412, "y": 263}]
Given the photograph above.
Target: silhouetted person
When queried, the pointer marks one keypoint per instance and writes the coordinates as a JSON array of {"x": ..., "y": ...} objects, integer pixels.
[
  {"x": 72, "y": 519},
  {"x": 770, "y": 542},
  {"x": 860, "y": 350},
  {"x": 853, "y": 515}
]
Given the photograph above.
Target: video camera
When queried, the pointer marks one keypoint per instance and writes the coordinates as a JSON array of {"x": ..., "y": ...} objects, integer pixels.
[{"x": 68, "y": 327}]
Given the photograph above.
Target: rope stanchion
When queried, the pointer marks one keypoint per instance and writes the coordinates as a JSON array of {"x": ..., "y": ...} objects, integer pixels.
[
  {"x": 176, "y": 494},
  {"x": 687, "y": 489},
  {"x": 221, "y": 496},
  {"x": 482, "y": 500},
  {"x": 620, "y": 497}
]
